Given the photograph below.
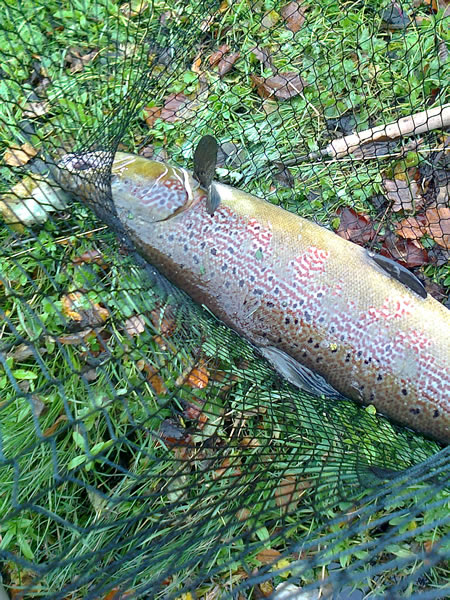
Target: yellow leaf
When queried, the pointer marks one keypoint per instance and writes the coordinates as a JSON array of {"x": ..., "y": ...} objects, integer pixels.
[{"x": 17, "y": 156}]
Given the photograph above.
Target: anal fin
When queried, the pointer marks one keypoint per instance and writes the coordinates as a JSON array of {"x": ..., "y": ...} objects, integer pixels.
[{"x": 298, "y": 374}]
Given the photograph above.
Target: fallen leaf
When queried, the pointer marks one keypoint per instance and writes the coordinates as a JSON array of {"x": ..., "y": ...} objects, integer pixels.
[
  {"x": 403, "y": 194},
  {"x": 17, "y": 156},
  {"x": 39, "y": 407},
  {"x": 75, "y": 339},
  {"x": 89, "y": 257},
  {"x": 193, "y": 410},
  {"x": 217, "y": 56},
  {"x": 243, "y": 514},
  {"x": 394, "y": 16},
  {"x": 248, "y": 442},
  {"x": 263, "y": 56},
  {"x": 198, "y": 377},
  {"x": 133, "y": 8},
  {"x": 227, "y": 62},
  {"x": 151, "y": 113},
  {"x": 266, "y": 588},
  {"x": 408, "y": 253},
  {"x": 411, "y": 228},
  {"x": 289, "y": 492},
  {"x": 268, "y": 556},
  {"x": 282, "y": 86},
  {"x": 34, "y": 110},
  {"x": 155, "y": 380},
  {"x": 135, "y": 325},
  {"x": 51, "y": 430},
  {"x": 354, "y": 226},
  {"x": 77, "y": 307},
  {"x": 175, "y": 108},
  {"x": 77, "y": 60},
  {"x": 270, "y": 19},
  {"x": 438, "y": 225},
  {"x": 21, "y": 352},
  {"x": 293, "y": 15},
  {"x": 195, "y": 68},
  {"x": 173, "y": 434}
]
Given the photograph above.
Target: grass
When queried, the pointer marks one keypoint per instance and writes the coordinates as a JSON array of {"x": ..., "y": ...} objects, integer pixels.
[{"x": 91, "y": 473}]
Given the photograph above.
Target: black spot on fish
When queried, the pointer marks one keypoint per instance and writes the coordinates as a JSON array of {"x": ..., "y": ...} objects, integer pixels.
[
  {"x": 404, "y": 392},
  {"x": 230, "y": 249},
  {"x": 304, "y": 354},
  {"x": 241, "y": 283},
  {"x": 245, "y": 302},
  {"x": 414, "y": 411},
  {"x": 342, "y": 338},
  {"x": 227, "y": 285},
  {"x": 321, "y": 319},
  {"x": 319, "y": 358},
  {"x": 213, "y": 251},
  {"x": 224, "y": 268},
  {"x": 252, "y": 278},
  {"x": 296, "y": 321},
  {"x": 301, "y": 302},
  {"x": 195, "y": 259},
  {"x": 234, "y": 270},
  {"x": 202, "y": 245},
  {"x": 307, "y": 317},
  {"x": 276, "y": 291},
  {"x": 279, "y": 340},
  {"x": 347, "y": 358},
  {"x": 258, "y": 292},
  {"x": 171, "y": 237},
  {"x": 359, "y": 353},
  {"x": 287, "y": 320},
  {"x": 186, "y": 248},
  {"x": 270, "y": 278},
  {"x": 284, "y": 304},
  {"x": 316, "y": 345},
  {"x": 310, "y": 341},
  {"x": 379, "y": 377},
  {"x": 319, "y": 295},
  {"x": 435, "y": 414},
  {"x": 270, "y": 304},
  {"x": 372, "y": 397},
  {"x": 334, "y": 349}
]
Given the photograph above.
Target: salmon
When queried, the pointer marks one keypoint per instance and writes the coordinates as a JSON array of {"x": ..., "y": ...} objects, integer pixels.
[{"x": 329, "y": 315}]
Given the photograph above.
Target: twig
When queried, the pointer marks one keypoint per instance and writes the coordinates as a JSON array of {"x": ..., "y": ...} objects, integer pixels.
[
  {"x": 60, "y": 240},
  {"x": 421, "y": 122}
]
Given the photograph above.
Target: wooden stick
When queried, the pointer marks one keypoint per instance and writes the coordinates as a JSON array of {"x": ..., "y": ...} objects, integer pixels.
[
  {"x": 421, "y": 122},
  {"x": 427, "y": 120}
]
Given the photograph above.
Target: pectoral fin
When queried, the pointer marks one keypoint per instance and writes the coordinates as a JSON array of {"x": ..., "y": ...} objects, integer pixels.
[
  {"x": 205, "y": 160},
  {"x": 298, "y": 374},
  {"x": 399, "y": 273}
]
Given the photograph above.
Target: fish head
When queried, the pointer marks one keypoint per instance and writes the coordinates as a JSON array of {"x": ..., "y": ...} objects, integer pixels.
[
  {"x": 147, "y": 189},
  {"x": 151, "y": 190},
  {"x": 84, "y": 174}
]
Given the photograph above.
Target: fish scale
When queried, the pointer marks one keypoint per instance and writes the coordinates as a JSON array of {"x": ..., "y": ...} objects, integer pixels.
[{"x": 291, "y": 286}]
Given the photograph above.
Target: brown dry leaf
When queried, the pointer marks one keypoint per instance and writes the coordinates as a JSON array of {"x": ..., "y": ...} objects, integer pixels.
[
  {"x": 155, "y": 380},
  {"x": 199, "y": 376},
  {"x": 403, "y": 195},
  {"x": 39, "y": 407},
  {"x": 282, "y": 86},
  {"x": 75, "y": 339},
  {"x": 17, "y": 156},
  {"x": 197, "y": 64},
  {"x": 354, "y": 226},
  {"x": 151, "y": 114},
  {"x": 411, "y": 228},
  {"x": 164, "y": 323},
  {"x": 263, "y": 56},
  {"x": 266, "y": 588},
  {"x": 74, "y": 306},
  {"x": 135, "y": 325},
  {"x": 243, "y": 514},
  {"x": 217, "y": 56},
  {"x": 78, "y": 60},
  {"x": 21, "y": 352},
  {"x": 408, "y": 253},
  {"x": 438, "y": 225},
  {"x": 34, "y": 110},
  {"x": 175, "y": 107},
  {"x": 289, "y": 493},
  {"x": 89, "y": 257},
  {"x": 227, "y": 62},
  {"x": 293, "y": 15},
  {"x": 173, "y": 434},
  {"x": 51, "y": 430},
  {"x": 194, "y": 411},
  {"x": 133, "y": 8},
  {"x": 268, "y": 556},
  {"x": 248, "y": 442}
]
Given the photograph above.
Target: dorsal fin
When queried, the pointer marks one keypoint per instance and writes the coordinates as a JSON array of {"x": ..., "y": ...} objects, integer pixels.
[
  {"x": 400, "y": 273},
  {"x": 205, "y": 160}
]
